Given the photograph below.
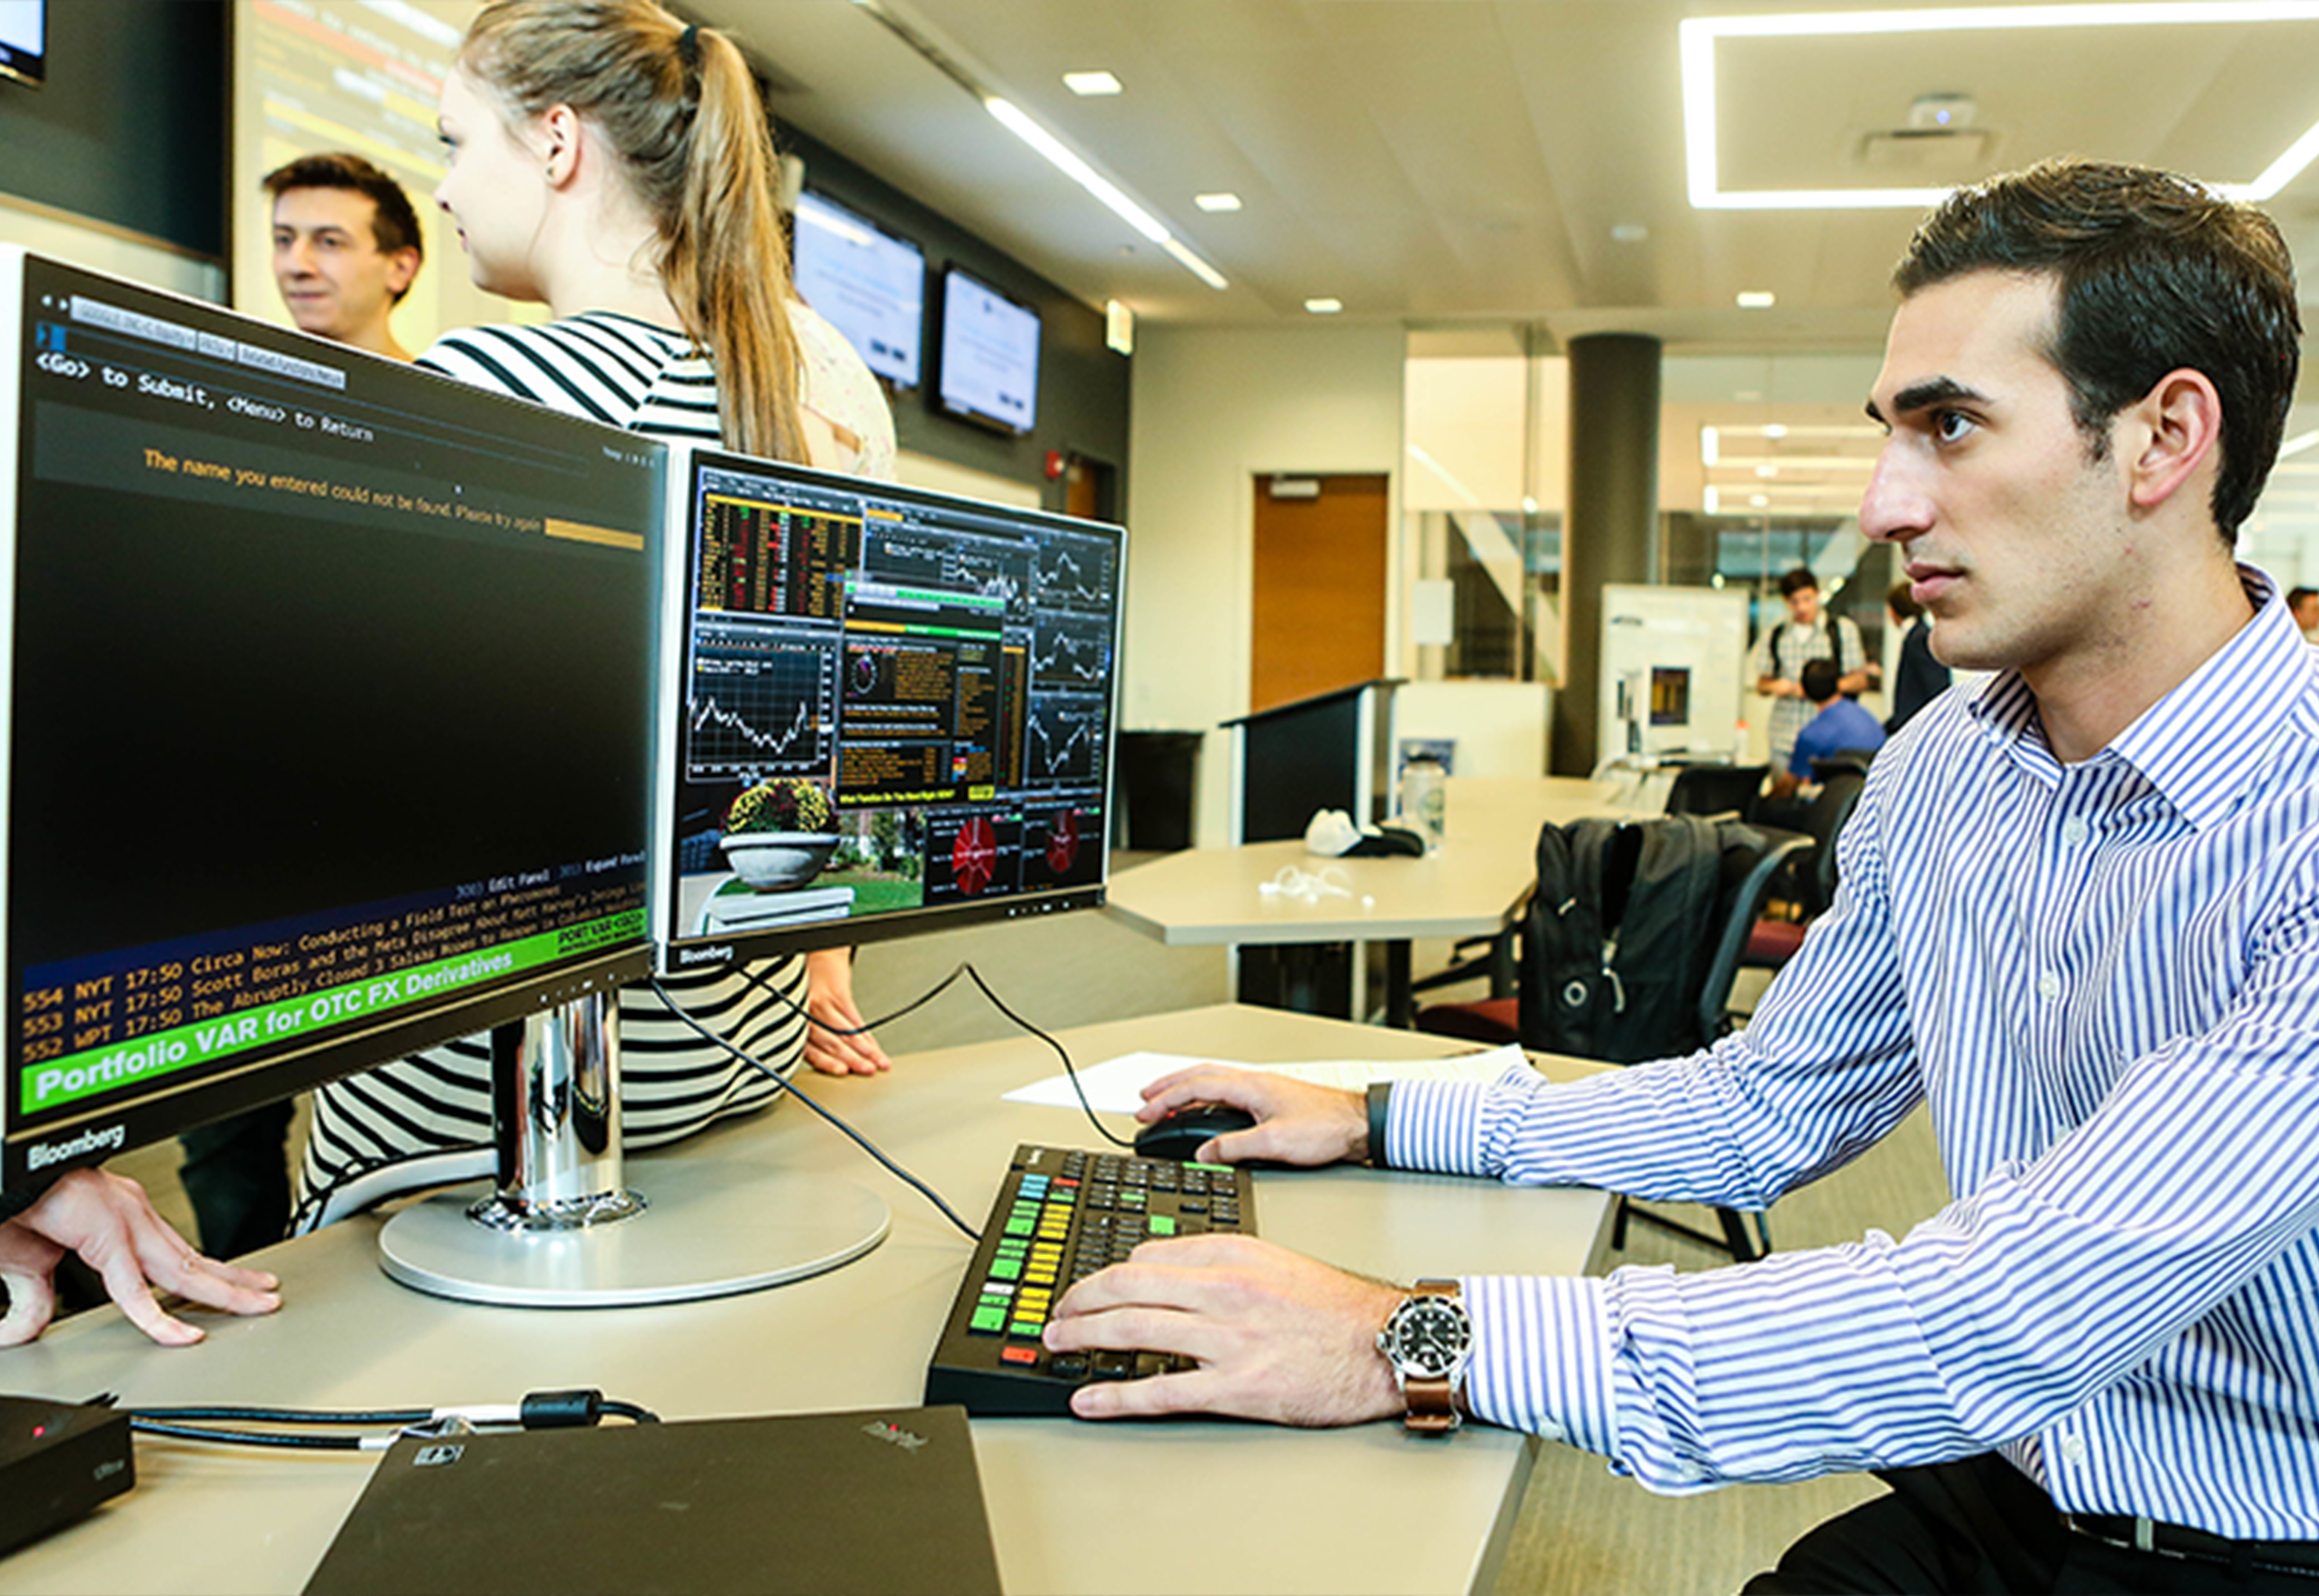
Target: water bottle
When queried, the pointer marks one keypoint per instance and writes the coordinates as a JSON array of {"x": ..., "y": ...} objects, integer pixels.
[{"x": 1422, "y": 799}]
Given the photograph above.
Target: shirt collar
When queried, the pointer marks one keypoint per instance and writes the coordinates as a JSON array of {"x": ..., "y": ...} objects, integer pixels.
[{"x": 2197, "y": 744}]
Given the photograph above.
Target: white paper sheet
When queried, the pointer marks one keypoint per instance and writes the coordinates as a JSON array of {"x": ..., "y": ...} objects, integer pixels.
[{"x": 1116, "y": 1085}]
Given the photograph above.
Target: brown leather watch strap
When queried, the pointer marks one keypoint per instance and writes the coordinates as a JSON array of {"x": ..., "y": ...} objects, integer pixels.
[{"x": 1435, "y": 1407}]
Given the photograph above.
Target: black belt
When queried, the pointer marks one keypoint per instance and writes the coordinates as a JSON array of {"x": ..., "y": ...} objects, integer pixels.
[{"x": 2175, "y": 1541}]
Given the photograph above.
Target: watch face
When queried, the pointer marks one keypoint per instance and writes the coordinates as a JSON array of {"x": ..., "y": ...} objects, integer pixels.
[{"x": 1430, "y": 1336}]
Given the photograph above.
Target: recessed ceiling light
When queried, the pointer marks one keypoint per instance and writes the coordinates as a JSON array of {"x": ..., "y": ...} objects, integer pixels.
[
  {"x": 1219, "y": 201},
  {"x": 1629, "y": 232},
  {"x": 1757, "y": 299},
  {"x": 1711, "y": 500},
  {"x": 1774, "y": 430},
  {"x": 1072, "y": 165},
  {"x": 1089, "y": 83},
  {"x": 1767, "y": 472},
  {"x": 1324, "y": 307},
  {"x": 1758, "y": 501}
]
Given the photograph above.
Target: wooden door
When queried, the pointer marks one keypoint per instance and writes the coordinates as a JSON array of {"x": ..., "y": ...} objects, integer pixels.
[{"x": 1319, "y": 614}]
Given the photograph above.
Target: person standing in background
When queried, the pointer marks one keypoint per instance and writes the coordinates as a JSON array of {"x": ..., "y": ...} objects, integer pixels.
[
  {"x": 1919, "y": 677},
  {"x": 615, "y": 163},
  {"x": 1809, "y": 633},
  {"x": 347, "y": 249}
]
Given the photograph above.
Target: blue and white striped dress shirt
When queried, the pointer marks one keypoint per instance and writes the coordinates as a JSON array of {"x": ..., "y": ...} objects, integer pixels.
[{"x": 2103, "y": 979}]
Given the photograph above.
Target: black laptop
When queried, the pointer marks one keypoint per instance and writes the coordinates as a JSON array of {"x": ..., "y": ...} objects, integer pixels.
[{"x": 871, "y": 1502}]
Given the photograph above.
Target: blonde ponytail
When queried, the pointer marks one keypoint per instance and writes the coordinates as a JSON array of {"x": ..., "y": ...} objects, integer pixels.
[{"x": 679, "y": 107}]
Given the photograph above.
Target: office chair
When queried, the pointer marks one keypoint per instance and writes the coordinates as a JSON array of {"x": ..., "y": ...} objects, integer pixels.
[
  {"x": 1752, "y": 858},
  {"x": 1716, "y": 790},
  {"x": 1698, "y": 790},
  {"x": 1749, "y": 869},
  {"x": 1813, "y": 883}
]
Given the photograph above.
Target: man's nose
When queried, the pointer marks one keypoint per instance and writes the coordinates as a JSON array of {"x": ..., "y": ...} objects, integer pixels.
[{"x": 1895, "y": 507}]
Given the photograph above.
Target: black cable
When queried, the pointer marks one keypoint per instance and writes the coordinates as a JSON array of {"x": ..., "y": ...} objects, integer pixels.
[
  {"x": 791, "y": 1086},
  {"x": 288, "y": 1415},
  {"x": 248, "y": 1438},
  {"x": 1070, "y": 1072}
]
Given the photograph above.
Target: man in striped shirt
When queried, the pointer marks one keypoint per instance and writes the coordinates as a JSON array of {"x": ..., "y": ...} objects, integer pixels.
[{"x": 2078, "y": 923}]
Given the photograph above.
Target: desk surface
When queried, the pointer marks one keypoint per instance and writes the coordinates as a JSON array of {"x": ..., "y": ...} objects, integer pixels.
[
  {"x": 1073, "y": 1506},
  {"x": 1486, "y": 861}
]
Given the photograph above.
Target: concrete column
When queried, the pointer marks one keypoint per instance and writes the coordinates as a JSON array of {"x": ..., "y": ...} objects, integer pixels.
[{"x": 1611, "y": 526}]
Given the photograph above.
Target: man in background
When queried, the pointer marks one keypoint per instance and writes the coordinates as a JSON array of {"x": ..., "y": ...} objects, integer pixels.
[
  {"x": 1809, "y": 633},
  {"x": 346, "y": 249},
  {"x": 1837, "y": 726}
]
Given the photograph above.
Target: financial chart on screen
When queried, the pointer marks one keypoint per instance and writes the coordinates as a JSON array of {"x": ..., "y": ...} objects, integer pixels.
[{"x": 881, "y": 707}]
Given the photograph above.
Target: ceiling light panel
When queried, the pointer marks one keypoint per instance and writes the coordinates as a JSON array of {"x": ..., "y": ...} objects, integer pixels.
[
  {"x": 1091, "y": 85},
  {"x": 1738, "y": 162}
]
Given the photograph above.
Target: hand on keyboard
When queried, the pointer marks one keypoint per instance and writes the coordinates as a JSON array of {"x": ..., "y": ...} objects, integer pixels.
[{"x": 1277, "y": 1336}]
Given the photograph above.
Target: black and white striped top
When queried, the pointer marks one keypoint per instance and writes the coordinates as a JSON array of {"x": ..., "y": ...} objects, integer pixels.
[{"x": 427, "y": 1120}]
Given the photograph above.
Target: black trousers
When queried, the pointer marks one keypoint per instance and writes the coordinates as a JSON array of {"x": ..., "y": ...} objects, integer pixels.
[{"x": 1980, "y": 1525}]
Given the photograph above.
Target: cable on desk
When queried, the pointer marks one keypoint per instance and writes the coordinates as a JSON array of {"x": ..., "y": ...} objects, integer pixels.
[
  {"x": 538, "y": 1409},
  {"x": 791, "y": 1086},
  {"x": 1070, "y": 1072}
]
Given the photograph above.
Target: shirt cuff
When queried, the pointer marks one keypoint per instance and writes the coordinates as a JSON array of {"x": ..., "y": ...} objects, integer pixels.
[
  {"x": 1542, "y": 1358},
  {"x": 1435, "y": 1125}
]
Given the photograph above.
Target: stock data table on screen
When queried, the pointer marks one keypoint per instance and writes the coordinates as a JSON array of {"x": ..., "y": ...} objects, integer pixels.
[
  {"x": 1070, "y": 1503},
  {"x": 1472, "y": 886}
]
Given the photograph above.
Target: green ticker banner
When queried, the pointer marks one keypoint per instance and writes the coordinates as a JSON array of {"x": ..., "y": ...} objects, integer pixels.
[{"x": 67, "y": 1079}]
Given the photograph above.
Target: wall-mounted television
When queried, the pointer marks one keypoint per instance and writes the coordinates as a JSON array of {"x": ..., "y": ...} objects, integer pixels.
[
  {"x": 990, "y": 355},
  {"x": 870, "y": 285},
  {"x": 24, "y": 41}
]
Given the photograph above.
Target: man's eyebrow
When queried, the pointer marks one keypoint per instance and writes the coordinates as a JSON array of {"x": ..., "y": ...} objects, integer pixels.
[{"x": 1923, "y": 395}]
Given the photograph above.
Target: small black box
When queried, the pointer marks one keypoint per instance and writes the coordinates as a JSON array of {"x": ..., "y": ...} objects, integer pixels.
[{"x": 57, "y": 1460}]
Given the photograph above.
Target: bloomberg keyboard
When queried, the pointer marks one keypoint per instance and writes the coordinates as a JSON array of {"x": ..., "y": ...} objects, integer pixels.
[{"x": 1062, "y": 1214}]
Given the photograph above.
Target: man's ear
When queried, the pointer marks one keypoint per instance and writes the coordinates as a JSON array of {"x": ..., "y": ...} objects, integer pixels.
[
  {"x": 402, "y": 271},
  {"x": 2171, "y": 436}
]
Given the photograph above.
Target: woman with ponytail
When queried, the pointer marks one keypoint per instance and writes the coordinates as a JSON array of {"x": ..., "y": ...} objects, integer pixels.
[{"x": 614, "y": 163}]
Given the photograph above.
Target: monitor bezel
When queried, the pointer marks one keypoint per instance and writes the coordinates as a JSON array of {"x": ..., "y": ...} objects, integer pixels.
[
  {"x": 677, "y": 954},
  {"x": 150, "y": 1111},
  {"x": 961, "y": 410}
]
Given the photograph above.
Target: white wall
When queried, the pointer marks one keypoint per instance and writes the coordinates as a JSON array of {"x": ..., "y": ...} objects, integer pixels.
[{"x": 1212, "y": 408}]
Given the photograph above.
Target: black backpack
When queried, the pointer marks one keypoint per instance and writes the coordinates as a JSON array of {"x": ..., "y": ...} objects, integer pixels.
[{"x": 1619, "y": 934}]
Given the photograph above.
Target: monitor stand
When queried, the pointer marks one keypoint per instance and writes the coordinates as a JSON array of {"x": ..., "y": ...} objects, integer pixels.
[{"x": 562, "y": 1229}]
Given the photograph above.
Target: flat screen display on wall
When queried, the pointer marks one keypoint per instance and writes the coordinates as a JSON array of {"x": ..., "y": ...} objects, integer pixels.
[
  {"x": 871, "y": 285},
  {"x": 990, "y": 355},
  {"x": 24, "y": 41}
]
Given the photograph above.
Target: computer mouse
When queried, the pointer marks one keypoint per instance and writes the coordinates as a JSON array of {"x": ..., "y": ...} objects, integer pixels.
[{"x": 1179, "y": 1136}]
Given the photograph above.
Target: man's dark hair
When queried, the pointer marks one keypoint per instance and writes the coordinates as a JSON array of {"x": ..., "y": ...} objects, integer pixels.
[
  {"x": 393, "y": 223},
  {"x": 2297, "y": 595},
  {"x": 2155, "y": 273},
  {"x": 1901, "y": 601},
  {"x": 1819, "y": 680},
  {"x": 1795, "y": 582}
]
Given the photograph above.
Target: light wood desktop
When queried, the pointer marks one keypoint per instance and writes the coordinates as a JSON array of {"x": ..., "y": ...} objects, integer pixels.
[
  {"x": 1471, "y": 887},
  {"x": 1180, "y": 1506}
]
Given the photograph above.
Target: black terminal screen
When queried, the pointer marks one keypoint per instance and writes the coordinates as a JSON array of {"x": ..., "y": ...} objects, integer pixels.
[
  {"x": 330, "y": 710},
  {"x": 888, "y": 709}
]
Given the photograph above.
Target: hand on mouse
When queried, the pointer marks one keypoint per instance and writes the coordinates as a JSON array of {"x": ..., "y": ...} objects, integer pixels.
[
  {"x": 1277, "y": 1336},
  {"x": 1297, "y": 1123}
]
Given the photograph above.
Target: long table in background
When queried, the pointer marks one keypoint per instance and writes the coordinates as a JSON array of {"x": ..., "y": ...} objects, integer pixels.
[
  {"x": 1180, "y": 1506},
  {"x": 1472, "y": 886}
]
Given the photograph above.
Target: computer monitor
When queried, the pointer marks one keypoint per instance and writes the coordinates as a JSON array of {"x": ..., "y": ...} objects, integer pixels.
[
  {"x": 884, "y": 710},
  {"x": 329, "y": 686}
]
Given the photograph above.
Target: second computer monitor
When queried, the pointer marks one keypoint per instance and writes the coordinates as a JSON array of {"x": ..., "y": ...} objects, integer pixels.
[{"x": 883, "y": 709}]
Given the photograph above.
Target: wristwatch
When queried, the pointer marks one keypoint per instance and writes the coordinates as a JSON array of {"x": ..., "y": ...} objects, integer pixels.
[{"x": 1428, "y": 1341}]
